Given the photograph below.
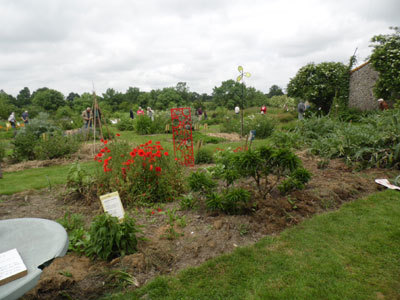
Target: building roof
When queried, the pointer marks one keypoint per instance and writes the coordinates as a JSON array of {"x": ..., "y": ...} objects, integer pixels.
[{"x": 359, "y": 67}]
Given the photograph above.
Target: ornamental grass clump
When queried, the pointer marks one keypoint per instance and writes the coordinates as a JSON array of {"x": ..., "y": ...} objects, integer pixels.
[{"x": 143, "y": 175}]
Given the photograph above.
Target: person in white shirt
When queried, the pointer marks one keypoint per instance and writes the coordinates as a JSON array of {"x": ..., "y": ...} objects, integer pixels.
[{"x": 237, "y": 110}]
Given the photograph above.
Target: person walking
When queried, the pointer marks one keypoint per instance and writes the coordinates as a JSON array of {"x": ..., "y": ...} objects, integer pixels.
[
  {"x": 150, "y": 113},
  {"x": 25, "y": 117},
  {"x": 200, "y": 113},
  {"x": 12, "y": 120},
  {"x": 263, "y": 110},
  {"x": 382, "y": 104},
  {"x": 87, "y": 117},
  {"x": 131, "y": 114},
  {"x": 140, "y": 112},
  {"x": 301, "y": 108}
]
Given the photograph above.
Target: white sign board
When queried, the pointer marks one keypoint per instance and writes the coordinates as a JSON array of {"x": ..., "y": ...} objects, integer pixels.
[
  {"x": 11, "y": 266},
  {"x": 112, "y": 205},
  {"x": 386, "y": 183}
]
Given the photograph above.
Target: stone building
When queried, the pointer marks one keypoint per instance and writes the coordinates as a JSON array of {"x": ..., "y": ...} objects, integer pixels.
[{"x": 362, "y": 82}]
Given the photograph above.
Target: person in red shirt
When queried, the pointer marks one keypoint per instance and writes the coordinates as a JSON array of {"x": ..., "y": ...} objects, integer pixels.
[
  {"x": 140, "y": 112},
  {"x": 263, "y": 110},
  {"x": 382, "y": 104}
]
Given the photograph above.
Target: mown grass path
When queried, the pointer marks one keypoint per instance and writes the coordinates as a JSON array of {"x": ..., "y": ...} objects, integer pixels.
[
  {"x": 36, "y": 178},
  {"x": 352, "y": 253}
]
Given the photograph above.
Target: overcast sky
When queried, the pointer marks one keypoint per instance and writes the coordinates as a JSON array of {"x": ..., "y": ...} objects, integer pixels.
[{"x": 68, "y": 44}]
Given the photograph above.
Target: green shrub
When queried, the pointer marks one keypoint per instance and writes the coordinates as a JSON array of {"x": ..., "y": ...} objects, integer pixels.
[
  {"x": 24, "y": 144},
  {"x": 188, "y": 202},
  {"x": 125, "y": 124},
  {"x": 143, "y": 125},
  {"x": 201, "y": 182},
  {"x": 2, "y": 151},
  {"x": 110, "y": 238},
  {"x": 55, "y": 146},
  {"x": 296, "y": 181},
  {"x": 232, "y": 201},
  {"x": 77, "y": 235},
  {"x": 262, "y": 124},
  {"x": 204, "y": 156}
]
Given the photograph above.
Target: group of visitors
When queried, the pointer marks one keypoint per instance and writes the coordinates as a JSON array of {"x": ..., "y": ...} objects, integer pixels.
[
  {"x": 13, "y": 121},
  {"x": 140, "y": 112}
]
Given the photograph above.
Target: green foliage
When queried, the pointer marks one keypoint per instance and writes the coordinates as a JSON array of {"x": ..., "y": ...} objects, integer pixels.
[
  {"x": 125, "y": 124},
  {"x": 281, "y": 101},
  {"x": 77, "y": 235},
  {"x": 78, "y": 179},
  {"x": 232, "y": 201},
  {"x": 320, "y": 83},
  {"x": 263, "y": 125},
  {"x": 266, "y": 165},
  {"x": 188, "y": 202},
  {"x": 110, "y": 238},
  {"x": 385, "y": 59},
  {"x": 201, "y": 182},
  {"x": 296, "y": 181},
  {"x": 49, "y": 100},
  {"x": 2, "y": 151},
  {"x": 206, "y": 139},
  {"x": 55, "y": 146},
  {"x": 204, "y": 156},
  {"x": 282, "y": 139},
  {"x": 274, "y": 90}
]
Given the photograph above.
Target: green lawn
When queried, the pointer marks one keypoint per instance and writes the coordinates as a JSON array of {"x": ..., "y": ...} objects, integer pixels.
[
  {"x": 38, "y": 178},
  {"x": 352, "y": 253}
]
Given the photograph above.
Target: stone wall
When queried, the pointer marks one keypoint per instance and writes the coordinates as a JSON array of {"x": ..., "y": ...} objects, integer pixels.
[{"x": 362, "y": 81}]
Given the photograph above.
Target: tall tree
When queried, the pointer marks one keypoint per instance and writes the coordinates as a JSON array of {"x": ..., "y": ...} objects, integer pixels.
[
  {"x": 49, "y": 99},
  {"x": 24, "y": 97},
  {"x": 132, "y": 94},
  {"x": 71, "y": 97},
  {"x": 320, "y": 83},
  {"x": 228, "y": 94},
  {"x": 385, "y": 59},
  {"x": 274, "y": 90}
]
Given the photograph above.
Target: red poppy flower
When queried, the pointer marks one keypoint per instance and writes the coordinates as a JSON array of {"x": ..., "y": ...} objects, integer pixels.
[
  {"x": 153, "y": 212},
  {"x": 159, "y": 209},
  {"x": 102, "y": 150},
  {"x": 151, "y": 167},
  {"x": 117, "y": 134},
  {"x": 100, "y": 160},
  {"x": 101, "y": 140},
  {"x": 176, "y": 159},
  {"x": 108, "y": 151},
  {"x": 149, "y": 142},
  {"x": 99, "y": 154},
  {"x": 158, "y": 143},
  {"x": 141, "y": 152},
  {"x": 105, "y": 142},
  {"x": 158, "y": 169},
  {"x": 166, "y": 153}
]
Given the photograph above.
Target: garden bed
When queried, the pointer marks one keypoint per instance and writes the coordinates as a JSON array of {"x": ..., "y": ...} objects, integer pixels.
[{"x": 205, "y": 235}]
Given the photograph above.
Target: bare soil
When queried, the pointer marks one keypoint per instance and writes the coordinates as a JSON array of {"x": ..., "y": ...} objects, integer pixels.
[{"x": 206, "y": 235}]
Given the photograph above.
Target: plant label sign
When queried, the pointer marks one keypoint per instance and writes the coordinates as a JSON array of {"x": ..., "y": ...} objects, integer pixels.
[
  {"x": 11, "y": 266},
  {"x": 112, "y": 205}
]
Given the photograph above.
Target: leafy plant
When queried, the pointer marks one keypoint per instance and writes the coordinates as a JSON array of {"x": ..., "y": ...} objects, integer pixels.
[
  {"x": 204, "y": 156},
  {"x": 232, "y": 201},
  {"x": 110, "y": 238},
  {"x": 125, "y": 124},
  {"x": 201, "y": 182},
  {"x": 77, "y": 235},
  {"x": 188, "y": 202}
]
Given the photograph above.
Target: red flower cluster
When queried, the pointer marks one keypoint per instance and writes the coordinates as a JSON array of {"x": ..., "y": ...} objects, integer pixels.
[{"x": 147, "y": 154}]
